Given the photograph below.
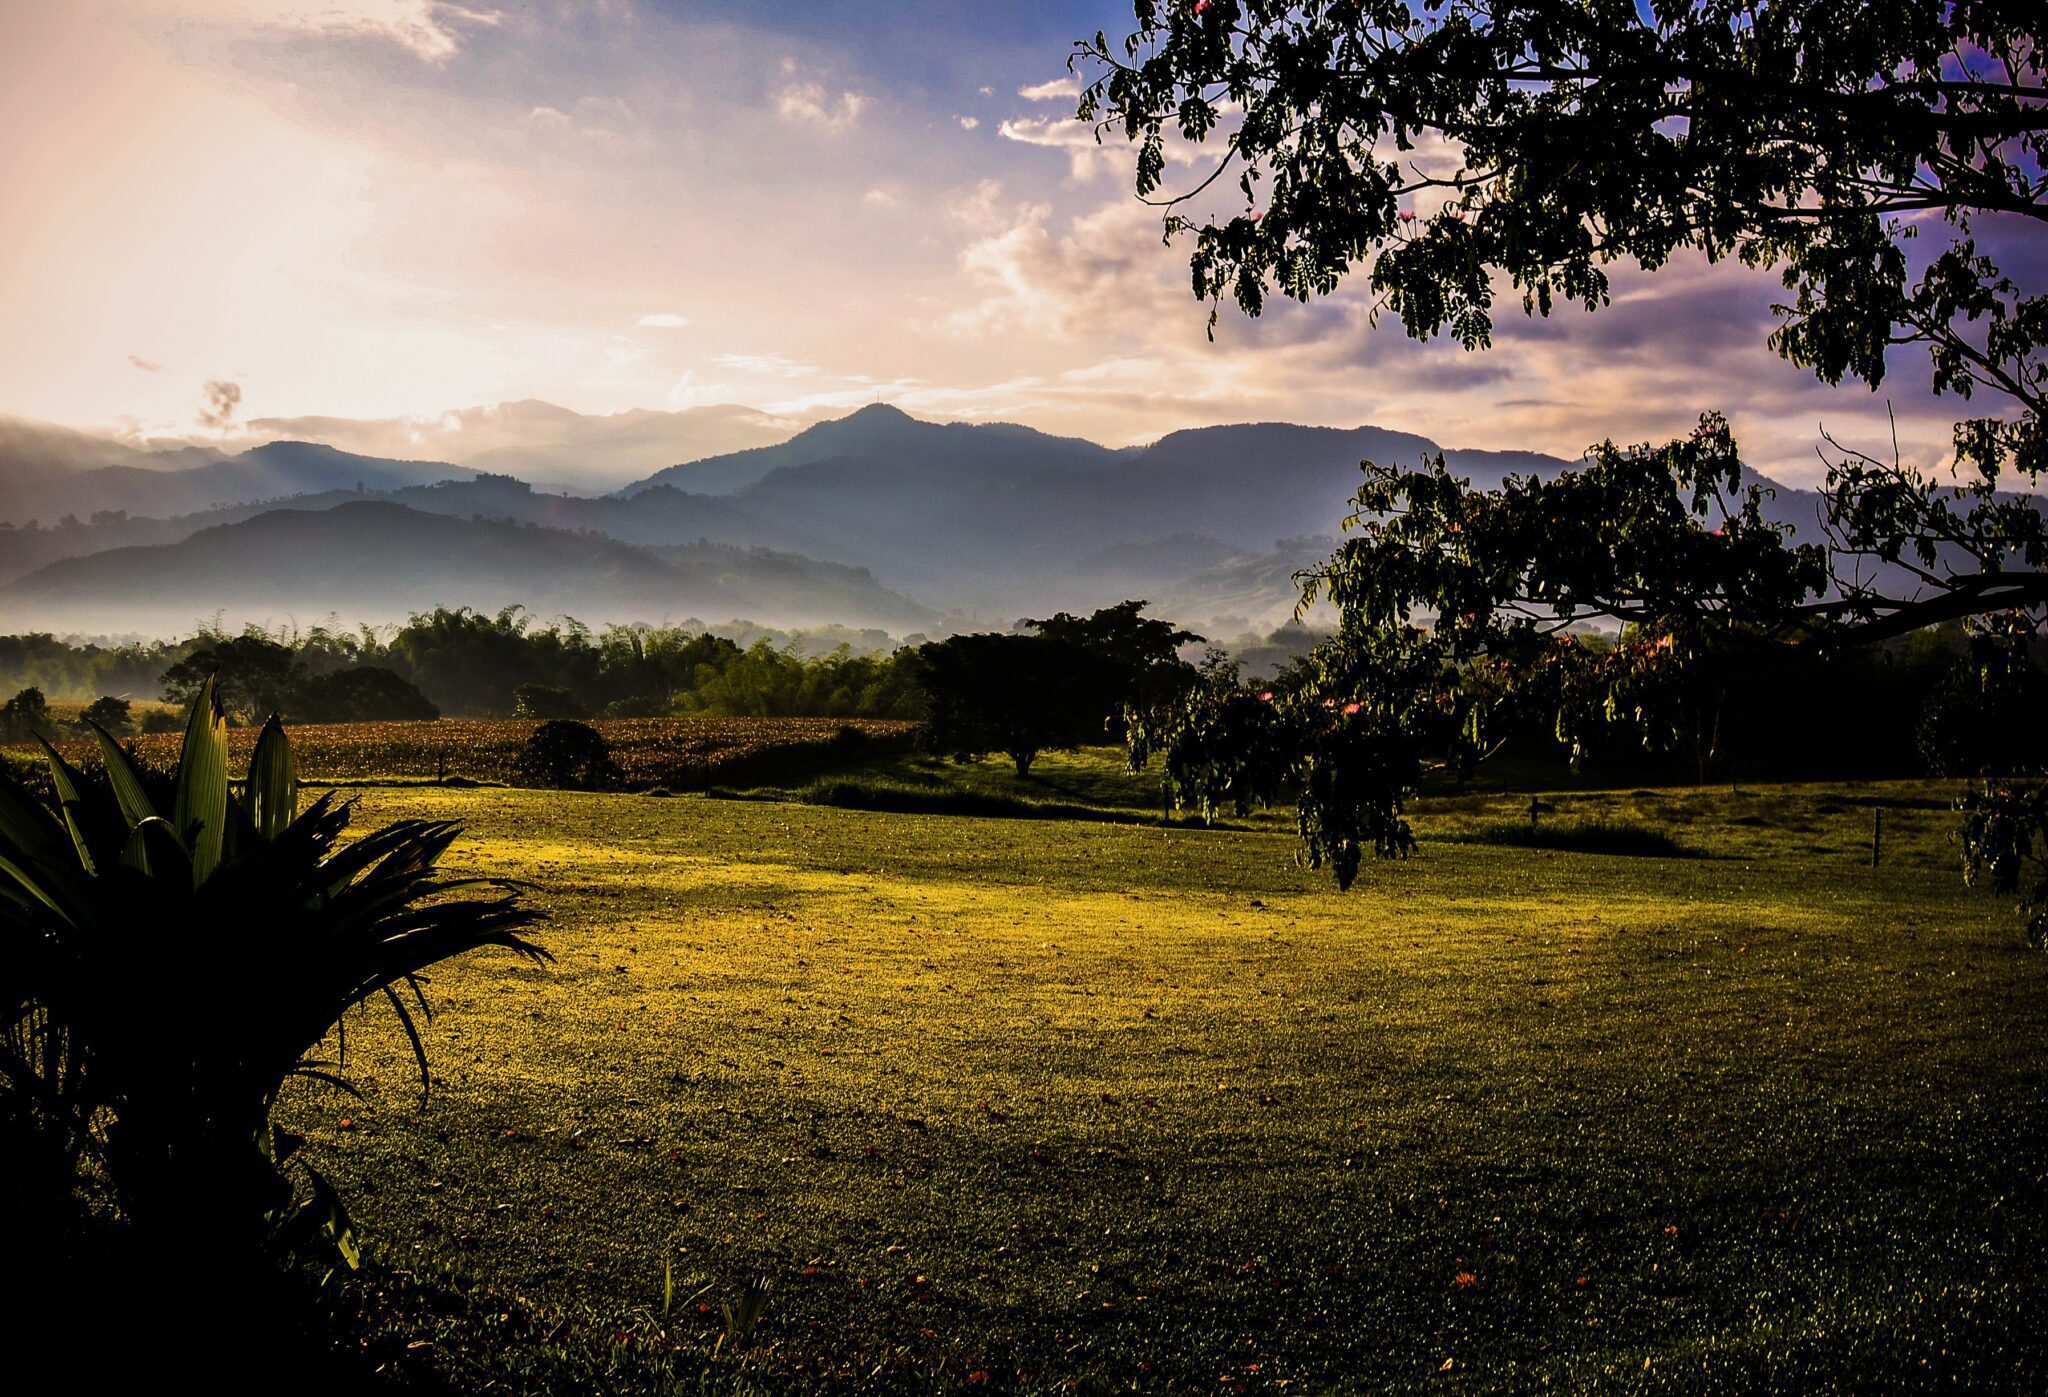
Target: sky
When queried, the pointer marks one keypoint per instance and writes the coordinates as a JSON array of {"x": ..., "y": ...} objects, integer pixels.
[{"x": 226, "y": 211}]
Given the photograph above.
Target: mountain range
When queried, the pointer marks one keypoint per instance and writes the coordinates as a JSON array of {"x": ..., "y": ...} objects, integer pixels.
[{"x": 875, "y": 519}]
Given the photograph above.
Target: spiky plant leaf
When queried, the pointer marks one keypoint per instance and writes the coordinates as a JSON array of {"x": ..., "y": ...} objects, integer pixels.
[
  {"x": 154, "y": 834},
  {"x": 272, "y": 792},
  {"x": 190, "y": 998},
  {"x": 129, "y": 793},
  {"x": 28, "y": 827},
  {"x": 69, "y": 800},
  {"x": 200, "y": 810}
]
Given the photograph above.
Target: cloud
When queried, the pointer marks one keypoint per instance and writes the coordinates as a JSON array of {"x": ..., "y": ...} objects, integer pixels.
[
  {"x": 223, "y": 400},
  {"x": 1087, "y": 157},
  {"x": 968, "y": 123},
  {"x": 775, "y": 365},
  {"x": 429, "y": 29},
  {"x": 1059, "y": 89},
  {"x": 662, "y": 320},
  {"x": 592, "y": 118},
  {"x": 808, "y": 104},
  {"x": 1036, "y": 283},
  {"x": 879, "y": 198},
  {"x": 148, "y": 366}
]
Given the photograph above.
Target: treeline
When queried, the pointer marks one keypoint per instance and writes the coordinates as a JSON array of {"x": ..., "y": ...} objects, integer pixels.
[
  {"x": 460, "y": 663},
  {"x": 1059, "y": 682}
]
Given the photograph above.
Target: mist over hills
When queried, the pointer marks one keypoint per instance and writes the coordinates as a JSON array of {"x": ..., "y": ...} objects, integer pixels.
[
  {"x": 549, "y": 445},
  {"x": 379, "y": 561},
  {"x": 871, "y": 516}
]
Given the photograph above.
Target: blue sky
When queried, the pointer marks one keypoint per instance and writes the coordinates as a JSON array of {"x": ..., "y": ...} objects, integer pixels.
[{"x": 395, "y": 208}]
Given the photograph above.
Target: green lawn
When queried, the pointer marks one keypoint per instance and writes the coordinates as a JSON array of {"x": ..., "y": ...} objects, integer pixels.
[{"x": 1032, "y": 1103}]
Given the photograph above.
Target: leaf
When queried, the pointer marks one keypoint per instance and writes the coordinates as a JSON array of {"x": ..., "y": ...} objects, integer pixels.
[
  {"x": 126, "y": 781},
  {"x": 200, "y": 811},
  {"x": 170, "y": 850},
  {"x": 272, "y": 793},
  {"x": 31, "y": 884},
  {"x": 25, "y": 824},
  {"x": 66, "y": 781}
]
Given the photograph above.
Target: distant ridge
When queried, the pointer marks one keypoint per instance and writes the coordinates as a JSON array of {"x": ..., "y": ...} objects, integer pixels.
[
  {"x": 884, "y": 435},
  {"x": 376, "y": 560}
]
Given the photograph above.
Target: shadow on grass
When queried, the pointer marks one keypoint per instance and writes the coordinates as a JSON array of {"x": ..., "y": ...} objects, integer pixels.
[
  {"x": 906, "y": 798},
  {"x": 1619, "y": 837}
]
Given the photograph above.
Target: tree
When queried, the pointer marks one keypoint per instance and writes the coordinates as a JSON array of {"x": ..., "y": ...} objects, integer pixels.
[
  {"x": 1016, "y": 694},
  {"x": 1536, "y": 142},
  {"x": 364, "y": 694},
  {"x": 26, "y": 715},
  {"x": 1544, "y": 139},
  {"x": 114, "y": 715},
  {"x": 568, "y": 756},
  {"x": 254, "y": 676},
  {"x": 1142, "y": 652}
]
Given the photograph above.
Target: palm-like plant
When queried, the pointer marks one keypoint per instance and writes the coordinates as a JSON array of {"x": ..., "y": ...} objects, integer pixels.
[{"x": 170, "y": 954}]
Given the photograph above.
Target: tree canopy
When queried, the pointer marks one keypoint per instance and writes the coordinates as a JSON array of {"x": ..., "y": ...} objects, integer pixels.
[
  {"x": 1445, "y": 148},
  {"x": 1883, "y": 158},
  {"x": 1874, "y": 153}
]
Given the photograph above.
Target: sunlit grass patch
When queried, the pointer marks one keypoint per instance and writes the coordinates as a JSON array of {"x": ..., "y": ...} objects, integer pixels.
[{"x": 1150, "y": 1105}]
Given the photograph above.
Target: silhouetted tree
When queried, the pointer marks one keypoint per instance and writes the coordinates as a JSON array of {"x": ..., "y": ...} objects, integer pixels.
[
  {"x": 26, "y": 715},
  {"x": 256, "y": 676},
  {"x": 1143, "y": 652},
  {"x": 365, "y": 694},
  {"x": 112, "y": 715},
  {"x": 1016, "y": 694},
  {"x": 547, "y": 701},
  {"x": 569, "y": 756}
]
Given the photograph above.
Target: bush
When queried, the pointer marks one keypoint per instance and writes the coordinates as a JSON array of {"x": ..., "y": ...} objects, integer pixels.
[
  {"x": 547, "y": 702},
  {"x": 568, "y": 756},
  {"x": 640, "y": 706}
]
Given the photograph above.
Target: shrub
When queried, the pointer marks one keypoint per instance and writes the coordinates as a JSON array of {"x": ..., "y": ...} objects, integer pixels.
[
  {"x": 173, "y": 953},
  {"x": 547, "y": 702},
  {"x": 568, "y": 756}
]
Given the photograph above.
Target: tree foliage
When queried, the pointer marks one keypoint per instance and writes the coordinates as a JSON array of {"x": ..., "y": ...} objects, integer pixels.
[
  {"x": 1068, "y": 681},
  {"x": 1016, "y": 694},
  {"x": 1876, "y": 155},
  {"x": 1445, "y": 150}
]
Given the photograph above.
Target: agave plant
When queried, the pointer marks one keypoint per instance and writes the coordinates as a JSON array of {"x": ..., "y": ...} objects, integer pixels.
[{"x": 171, "y": 953}]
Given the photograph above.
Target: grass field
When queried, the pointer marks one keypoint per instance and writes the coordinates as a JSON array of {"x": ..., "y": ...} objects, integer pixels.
[{"x": 1077, "y": 1104}]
